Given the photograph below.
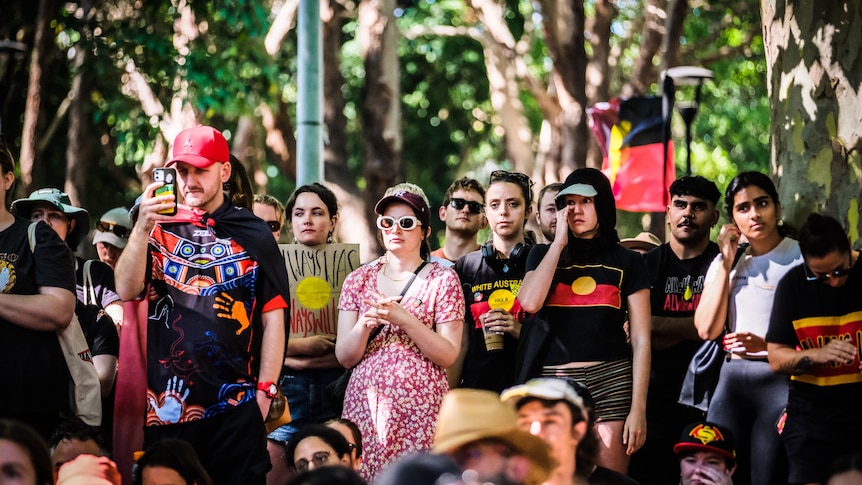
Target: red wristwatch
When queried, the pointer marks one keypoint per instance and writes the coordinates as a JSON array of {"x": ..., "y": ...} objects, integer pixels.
[{"x": 270, "y": 388}]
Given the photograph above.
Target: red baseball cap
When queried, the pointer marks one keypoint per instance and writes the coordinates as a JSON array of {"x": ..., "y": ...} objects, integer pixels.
[{"x": 200, "y": 146}]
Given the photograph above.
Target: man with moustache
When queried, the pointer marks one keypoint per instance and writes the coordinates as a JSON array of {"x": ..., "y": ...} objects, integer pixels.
[
  {"x": 677, "y": 270},
  {"x": 217, "y": 291}
]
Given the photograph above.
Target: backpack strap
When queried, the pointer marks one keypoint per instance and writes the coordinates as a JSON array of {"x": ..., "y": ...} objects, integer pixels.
[
  {"x": 31, "y": 236},
  {"x": 89, "y": 288},
  {"x": 739, "y": 252}
]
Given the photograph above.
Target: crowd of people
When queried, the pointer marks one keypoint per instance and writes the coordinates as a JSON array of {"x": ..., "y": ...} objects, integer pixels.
[{"x": 554, "y": 357}]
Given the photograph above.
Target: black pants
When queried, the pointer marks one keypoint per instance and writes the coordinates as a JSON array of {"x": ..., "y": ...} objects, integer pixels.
[{"x": 231, "y": 445}]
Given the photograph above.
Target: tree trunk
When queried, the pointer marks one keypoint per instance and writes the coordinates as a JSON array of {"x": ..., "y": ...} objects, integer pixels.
[
  {"x": 505, "y": 90},
  {"x": 644, "y": 72},
  {"x": 598, "y": 67},
  {"x": 814, "y": 71},
  {"x": 339, "y": 178},
  {"x": 381, "y": 110},
  {"x": 676, "y": 12},
  {"x": 563, "y": 23},
  {"x": 280, "y": 137},
  {"x": 80, "y": 148},
  {"x": 39, "y": 58}
]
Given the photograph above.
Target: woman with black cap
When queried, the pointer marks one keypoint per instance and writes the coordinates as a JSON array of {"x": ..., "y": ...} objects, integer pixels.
[
  {"x": 585, "y": 285},
  {"x": 399, "y": 323}
]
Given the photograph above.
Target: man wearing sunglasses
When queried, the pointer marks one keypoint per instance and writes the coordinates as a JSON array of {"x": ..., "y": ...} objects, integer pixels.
[
  {"x": 814, "y": 335},
  {"x": 464, "y": 215},
  {"x": 112, "y": 234}
]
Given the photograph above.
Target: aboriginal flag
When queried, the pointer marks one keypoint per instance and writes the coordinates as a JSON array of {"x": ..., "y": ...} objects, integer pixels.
[
  {"x": 587, "y": 286},
  {"x": 630, "y": 133}
]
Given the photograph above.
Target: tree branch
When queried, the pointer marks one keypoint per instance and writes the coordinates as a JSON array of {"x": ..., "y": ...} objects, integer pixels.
[
  {"x": 418, "y": 31},
  {"x": 280, "y": 26},
  {"x": 135, "y": 86}
]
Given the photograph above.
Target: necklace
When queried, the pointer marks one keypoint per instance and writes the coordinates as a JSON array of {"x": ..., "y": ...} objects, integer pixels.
[{"x": 386, "y": 265}]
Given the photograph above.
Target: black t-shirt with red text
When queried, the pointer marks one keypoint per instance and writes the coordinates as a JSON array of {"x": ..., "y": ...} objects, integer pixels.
[
  {"x": 488, "y": 286},
  {"x": 809, "y": 314},
  {"x": 676, "y": 289}
]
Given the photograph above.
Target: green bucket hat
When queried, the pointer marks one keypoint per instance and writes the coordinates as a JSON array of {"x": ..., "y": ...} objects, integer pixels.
[{"x": 60, "y": 200}]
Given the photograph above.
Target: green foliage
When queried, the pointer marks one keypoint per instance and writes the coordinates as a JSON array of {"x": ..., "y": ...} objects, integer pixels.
[
  {"x": 732, "y": 128},
  {"x": 445, "y": 103},
  {"x": 448, "y": 122}
]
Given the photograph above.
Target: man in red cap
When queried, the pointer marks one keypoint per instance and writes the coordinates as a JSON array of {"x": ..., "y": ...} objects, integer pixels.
[
  {"x": 215, "y": 331},
  {"x": 707, "y": 455}
]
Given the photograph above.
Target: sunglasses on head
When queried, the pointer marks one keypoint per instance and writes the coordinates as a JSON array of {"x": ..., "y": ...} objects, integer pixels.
[
  {"x": 838, "y": 273},
  {"x": 407, "y": 223},
  {"x": 118, "y": 230},
  {"x": 274, "y": 226},
  {"x": 498, "y": 175},
  {"x": 473, "y": 207}
]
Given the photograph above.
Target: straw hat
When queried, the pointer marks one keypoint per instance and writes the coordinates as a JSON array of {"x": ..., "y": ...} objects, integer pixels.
[
  {"x": 469, "y": 415},
  {"x": 645, "y": 241}
]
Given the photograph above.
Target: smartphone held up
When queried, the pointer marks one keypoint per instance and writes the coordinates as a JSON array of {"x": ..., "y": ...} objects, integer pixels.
[{"x": 169, "y": 177}]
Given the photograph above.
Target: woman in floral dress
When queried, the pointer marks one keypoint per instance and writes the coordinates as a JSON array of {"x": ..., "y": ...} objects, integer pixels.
[{"x": 398, "y": 382}]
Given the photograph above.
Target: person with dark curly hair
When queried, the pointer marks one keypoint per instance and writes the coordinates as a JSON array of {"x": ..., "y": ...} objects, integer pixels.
[{"x": 316, "y": 446}]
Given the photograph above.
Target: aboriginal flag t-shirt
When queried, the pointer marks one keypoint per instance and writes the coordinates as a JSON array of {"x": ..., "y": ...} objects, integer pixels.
[{"x": 587, "y": 304}]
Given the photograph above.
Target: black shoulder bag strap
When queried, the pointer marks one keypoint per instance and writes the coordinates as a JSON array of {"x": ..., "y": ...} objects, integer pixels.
[
  {"x": 403, "y": 292},
  {"x": 739, "y": 252}
]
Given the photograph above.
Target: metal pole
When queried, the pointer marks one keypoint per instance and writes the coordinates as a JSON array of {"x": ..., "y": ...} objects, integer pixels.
[{"x": 309, "y": 107}]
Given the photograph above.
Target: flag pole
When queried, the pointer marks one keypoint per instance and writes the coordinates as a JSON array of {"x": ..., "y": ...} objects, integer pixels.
[{"x": 667, "y": 99}]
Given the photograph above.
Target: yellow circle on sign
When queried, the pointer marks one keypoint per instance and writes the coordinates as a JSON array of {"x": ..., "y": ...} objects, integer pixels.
[
  {"x": 313, "y": 293},
  {"x": 584, "y": 285},
  {"x": 502, "y": 299}
]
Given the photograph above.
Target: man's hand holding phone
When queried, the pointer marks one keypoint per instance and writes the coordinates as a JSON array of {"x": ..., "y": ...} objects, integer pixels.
[
  {"x": 157, "y": 205},
  {"x": 168, "y": 177}
]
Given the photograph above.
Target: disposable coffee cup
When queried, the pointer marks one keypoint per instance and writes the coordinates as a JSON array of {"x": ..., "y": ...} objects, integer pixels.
[
  {"x": 501, "y": 299},
  {"x": 493, "y": 340}
]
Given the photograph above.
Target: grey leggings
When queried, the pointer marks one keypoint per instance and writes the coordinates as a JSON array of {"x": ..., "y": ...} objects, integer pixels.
[{"x": 749, "y": 400}]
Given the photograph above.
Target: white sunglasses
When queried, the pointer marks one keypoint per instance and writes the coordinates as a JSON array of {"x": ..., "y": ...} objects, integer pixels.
[{"x": 407, "y": 223}]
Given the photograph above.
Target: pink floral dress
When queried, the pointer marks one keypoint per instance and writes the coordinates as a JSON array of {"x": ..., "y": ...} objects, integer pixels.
[{"x": 395, "y": 392}]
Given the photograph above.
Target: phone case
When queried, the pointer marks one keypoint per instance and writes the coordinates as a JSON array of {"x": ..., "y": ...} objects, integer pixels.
[{"x": 168, "y": 176}]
